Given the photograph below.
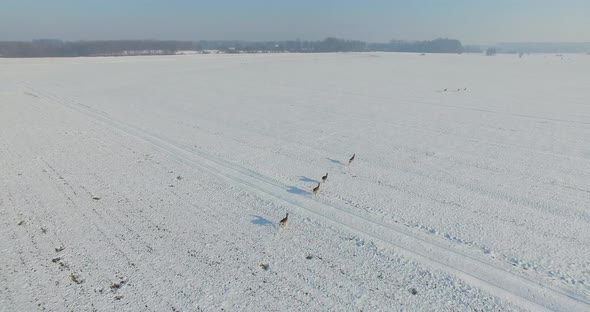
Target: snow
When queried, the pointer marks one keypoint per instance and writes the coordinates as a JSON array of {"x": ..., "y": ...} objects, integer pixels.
[{"x": 165, "y": 177}]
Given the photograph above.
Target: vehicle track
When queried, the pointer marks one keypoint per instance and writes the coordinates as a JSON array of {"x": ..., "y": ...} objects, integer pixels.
[{"x": 523, "y": 291}]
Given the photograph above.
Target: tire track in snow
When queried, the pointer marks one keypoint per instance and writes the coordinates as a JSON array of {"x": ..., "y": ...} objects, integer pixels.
[{"x": 524, "y": 291}]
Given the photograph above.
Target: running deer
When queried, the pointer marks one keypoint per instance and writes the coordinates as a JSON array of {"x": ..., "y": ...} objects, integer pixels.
[
  {"x": 351, "y": 159},
  {"x": 283, "y": 221},
  {"x": 316, "y": 189}
]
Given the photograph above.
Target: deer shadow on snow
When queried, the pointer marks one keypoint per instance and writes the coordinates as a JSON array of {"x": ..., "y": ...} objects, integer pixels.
[
  {"x": 258, "y": 220},
  {"x": 335, "y": 161},
  {"x": 296, "y": 190},
  {"x": 306, "y": 179}
]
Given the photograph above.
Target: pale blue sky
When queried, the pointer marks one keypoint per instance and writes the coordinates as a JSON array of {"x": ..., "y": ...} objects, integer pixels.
[{"x": 471, "y": 21}]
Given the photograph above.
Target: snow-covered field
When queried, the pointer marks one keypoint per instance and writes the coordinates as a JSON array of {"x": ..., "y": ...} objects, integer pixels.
[{"x": 157, "y": 183}]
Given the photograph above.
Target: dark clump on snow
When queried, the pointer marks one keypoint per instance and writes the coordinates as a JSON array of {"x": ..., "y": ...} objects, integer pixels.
[
  {"x": 75, "y": 279},
  {"x": 115, "y": 286},
  {"x": 413, "y": 291}
]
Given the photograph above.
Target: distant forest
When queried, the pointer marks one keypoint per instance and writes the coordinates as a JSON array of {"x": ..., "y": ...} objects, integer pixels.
[{"x": 58, "y": 48}]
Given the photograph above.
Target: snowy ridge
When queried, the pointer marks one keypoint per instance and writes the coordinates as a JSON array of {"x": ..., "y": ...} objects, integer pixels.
[{"x": 523, "y": 291}]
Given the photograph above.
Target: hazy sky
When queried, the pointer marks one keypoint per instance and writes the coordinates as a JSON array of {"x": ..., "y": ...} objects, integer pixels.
[{"x": 471, "y": 21}]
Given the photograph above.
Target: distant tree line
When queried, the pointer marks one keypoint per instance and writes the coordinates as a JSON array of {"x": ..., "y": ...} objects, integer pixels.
[
  {"x": 58, "y": 48},
  {"x": 540, "y": 47},
  {"x": 336, "y": 45},
  {"x": 431, "y": 46}
]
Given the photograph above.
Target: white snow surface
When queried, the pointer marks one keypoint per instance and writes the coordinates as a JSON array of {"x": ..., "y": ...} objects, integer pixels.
[{"x": 157, "y": 183}]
